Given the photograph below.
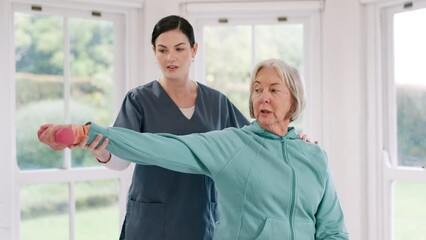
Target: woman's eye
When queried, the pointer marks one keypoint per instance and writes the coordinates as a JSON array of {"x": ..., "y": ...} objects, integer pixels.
[{"x": 180, "y": 49}]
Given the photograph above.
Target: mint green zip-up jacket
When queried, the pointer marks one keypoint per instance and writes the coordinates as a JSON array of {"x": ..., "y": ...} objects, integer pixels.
[{"x": 270, "y": 187}]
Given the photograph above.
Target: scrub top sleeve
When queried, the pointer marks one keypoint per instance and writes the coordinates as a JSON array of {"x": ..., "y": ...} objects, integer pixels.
[{"x": 131, "y": 113}]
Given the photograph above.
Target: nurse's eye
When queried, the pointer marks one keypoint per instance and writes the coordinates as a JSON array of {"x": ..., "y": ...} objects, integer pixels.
[{"x": 162, "y": 50}]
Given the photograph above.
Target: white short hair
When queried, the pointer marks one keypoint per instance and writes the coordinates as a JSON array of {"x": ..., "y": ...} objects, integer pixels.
[{"x": 290, "y": 76}]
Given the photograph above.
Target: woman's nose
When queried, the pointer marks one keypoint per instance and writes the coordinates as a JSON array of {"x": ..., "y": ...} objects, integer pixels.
[
  {"x": 265, "y": 96},
  {"x": 171, "y": 57}
]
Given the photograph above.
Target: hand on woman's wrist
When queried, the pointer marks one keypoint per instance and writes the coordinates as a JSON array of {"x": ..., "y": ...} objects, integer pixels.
[{"x": 104, "y": 158}]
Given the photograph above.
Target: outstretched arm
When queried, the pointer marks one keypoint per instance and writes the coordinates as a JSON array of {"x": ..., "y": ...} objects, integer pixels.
[
  {"x": 197, "y": 153},
  {"x": 164, "y": 150}
]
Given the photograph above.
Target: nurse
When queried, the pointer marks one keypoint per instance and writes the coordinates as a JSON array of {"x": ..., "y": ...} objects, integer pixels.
[{"x": 162, "y": 203}]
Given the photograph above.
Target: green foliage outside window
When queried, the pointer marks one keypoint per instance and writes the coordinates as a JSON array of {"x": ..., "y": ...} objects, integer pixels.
[
  {"x": 41, "y": 85},
  {"x": 411, "y": 120}
]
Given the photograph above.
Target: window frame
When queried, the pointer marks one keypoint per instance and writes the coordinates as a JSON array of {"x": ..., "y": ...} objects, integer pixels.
[
  {"x": 307, "y": 13},
  {"x": 127, "y": 36},
  {"x": 382, "y": 166}
]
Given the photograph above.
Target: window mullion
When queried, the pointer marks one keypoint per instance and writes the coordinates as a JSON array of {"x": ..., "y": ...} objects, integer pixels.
[
  {"x": 67, "y": 86},
  {"x": 253, "y": 46},
  {"x": 72, "y": 207},
  {"x": 67, "y": 118}
]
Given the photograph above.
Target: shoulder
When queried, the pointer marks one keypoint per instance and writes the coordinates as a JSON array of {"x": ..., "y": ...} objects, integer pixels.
[
  {"x": 143, "y": 90},
  {"x": 228, "y": 138},
  {"x": 316, "y": 155},
  {"x": 210, "y": 95},
  {"x": 210, "y": 92},
  {"x": 145, "y": 87},
  {"x": 246, "y": 133},
  {"x": 228, "y": 133}
]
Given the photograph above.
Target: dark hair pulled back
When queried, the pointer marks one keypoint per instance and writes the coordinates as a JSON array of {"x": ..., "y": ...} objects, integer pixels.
[{"x": 173, "y": 22}]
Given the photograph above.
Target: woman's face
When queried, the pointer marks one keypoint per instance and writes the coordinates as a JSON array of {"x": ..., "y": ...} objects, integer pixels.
[
  {"x": 272, "y": 101},
  {"x": 174, "y": 54}
]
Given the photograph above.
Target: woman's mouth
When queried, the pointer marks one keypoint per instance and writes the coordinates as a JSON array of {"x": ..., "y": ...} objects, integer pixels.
[
  {"x": 265, "y": 112},
  {"x": 172, "y": 67}
]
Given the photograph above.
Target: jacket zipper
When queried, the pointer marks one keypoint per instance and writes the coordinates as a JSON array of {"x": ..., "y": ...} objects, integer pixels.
[{"x": 293, "y": 189}]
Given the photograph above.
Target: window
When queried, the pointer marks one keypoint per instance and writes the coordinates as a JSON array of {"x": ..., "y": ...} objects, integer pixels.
[
  {"x": 410, "y": 86},
  {"x": 407, "y": 147},
  {"x": 403, "y": 120},
  {"x": 67, "y": 66},
  {"x": 58, "y": 81},
  {"x": 232, "y": 50},
  {"x": 230, "y": 44}
]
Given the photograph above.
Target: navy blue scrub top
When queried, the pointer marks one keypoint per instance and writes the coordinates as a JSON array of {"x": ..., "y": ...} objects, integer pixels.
[{"x": 163, "y": 204}]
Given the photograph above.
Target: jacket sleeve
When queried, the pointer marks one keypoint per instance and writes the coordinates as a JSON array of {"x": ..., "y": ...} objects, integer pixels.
[
  {"x": 329, "y": 217},
  {"x": 203, "y": 153}
]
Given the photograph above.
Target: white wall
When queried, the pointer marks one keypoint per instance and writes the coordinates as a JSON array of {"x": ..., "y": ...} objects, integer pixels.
[
  {"x": 344, "y": 107},
  {"x": 7, "y": 186}
]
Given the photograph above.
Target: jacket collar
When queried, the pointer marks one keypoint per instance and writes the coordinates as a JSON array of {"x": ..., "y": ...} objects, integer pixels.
[{"x": 257, "y": 129}]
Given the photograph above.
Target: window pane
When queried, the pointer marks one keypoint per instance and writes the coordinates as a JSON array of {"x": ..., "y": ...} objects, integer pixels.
[
  {"x": 280, "y": 41},
  {"x": 228, "y": 62},
  {"x": 91, "y": 63},
  {"x": 410, "y": 80},
  {"x": 39, "y": 86},
  {"x": 229, "y": 56},
  {"x": 44, "y": 212},
  {"x": 283, "y": 41},
  {"x": 410, "y": 215},
  {"x": 97, "y": 212}
]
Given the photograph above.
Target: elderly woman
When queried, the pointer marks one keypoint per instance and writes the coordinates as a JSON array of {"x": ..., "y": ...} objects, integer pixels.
[{"x": 271, "y": 184}]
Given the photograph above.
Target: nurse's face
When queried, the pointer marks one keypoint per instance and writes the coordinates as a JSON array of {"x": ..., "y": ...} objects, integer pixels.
[{"x": 174, "y": 54}]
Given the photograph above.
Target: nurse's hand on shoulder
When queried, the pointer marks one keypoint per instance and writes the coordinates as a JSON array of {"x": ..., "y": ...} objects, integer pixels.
[{"x": 305, "y": 138}]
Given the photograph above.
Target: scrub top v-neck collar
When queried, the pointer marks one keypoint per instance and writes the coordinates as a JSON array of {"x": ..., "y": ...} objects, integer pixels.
[{"x": 176, "y": 106}]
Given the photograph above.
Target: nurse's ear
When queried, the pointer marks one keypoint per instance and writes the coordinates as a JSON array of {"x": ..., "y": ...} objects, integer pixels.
[{"x": 194, "y": 50}]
